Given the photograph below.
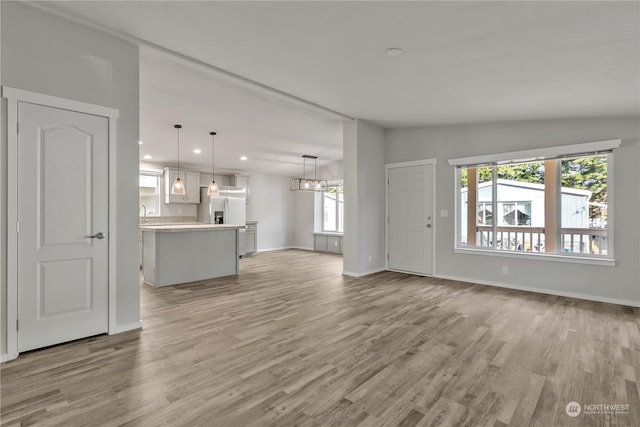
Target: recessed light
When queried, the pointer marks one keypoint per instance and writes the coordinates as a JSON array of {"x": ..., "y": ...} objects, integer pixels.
[
  {"x": 140, "y": 142},
  {"x": 394, "y": 51},
  {"x": 148, "y": 157},
  {"x": 243, "y": 158},
  {"x": 197, "y": 151}
]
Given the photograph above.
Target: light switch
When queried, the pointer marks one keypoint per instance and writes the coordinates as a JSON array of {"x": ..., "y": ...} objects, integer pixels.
[{"x": 444, "y": 213}]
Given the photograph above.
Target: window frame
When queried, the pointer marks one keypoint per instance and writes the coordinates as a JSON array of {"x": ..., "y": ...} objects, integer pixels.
[
  {"x": 552, "y": 153},
  {"x": 337, "y": 210},
  {"x": 158, "y": 177}
]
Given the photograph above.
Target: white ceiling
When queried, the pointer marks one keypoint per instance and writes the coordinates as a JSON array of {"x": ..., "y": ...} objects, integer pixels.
[{"x": 462, "y": 62}]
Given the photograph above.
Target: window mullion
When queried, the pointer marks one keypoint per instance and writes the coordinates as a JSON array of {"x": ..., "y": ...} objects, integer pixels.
[
  {"x": 558, "y": 213},
  {"x": 494, "y": 204}
]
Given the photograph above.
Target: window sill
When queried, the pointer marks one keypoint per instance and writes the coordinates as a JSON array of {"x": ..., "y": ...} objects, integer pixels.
[
  {"x": 608, "y": 262},
  {"x": 326, "y": 233}
]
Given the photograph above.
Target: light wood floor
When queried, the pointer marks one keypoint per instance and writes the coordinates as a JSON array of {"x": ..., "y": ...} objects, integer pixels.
[{"x": 291, "y": 342}]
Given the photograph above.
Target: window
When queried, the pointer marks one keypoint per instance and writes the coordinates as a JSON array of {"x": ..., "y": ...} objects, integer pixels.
[
  {"x": 515, "y": 213},
  {"x": 149, "y": 194},
  {"x": 333, "y": 209},
  {"x": 558, "y": 205},
  {"x": 584, "y": 205}
]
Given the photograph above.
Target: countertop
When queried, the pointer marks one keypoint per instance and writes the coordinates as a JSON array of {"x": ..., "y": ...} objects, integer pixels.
[{"x": 189, "y": 227}]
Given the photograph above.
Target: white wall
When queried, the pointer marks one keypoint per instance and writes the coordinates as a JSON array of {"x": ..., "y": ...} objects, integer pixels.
[
  {"x": 332, "y": 172},
  {"x": 46, "y": 54},
  {"x": 364, "y": 192},
  {"x": 273, "y": 205},
  {"x": 620, "y": 283},
  {"x": 303, "y": 219},
  {"x": 351, "y": 231},
  {"x": 3, "y": 212}
]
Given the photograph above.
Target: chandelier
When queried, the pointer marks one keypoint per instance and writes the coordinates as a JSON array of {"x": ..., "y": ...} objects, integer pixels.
[{"x": 308, "y": 184}]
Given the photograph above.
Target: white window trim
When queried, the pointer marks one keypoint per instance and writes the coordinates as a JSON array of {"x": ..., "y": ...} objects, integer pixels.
[
  {"x": 329, "y": 232},
  {"x": 156, "y": 174},
  {"x": 532, "y": 156},
  {"x": 575, "y": 259}
]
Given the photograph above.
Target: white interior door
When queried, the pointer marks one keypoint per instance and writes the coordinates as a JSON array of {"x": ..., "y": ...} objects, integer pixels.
[
  {"x": 410, "y": 226},
  {"x": 62, "y": 202}
]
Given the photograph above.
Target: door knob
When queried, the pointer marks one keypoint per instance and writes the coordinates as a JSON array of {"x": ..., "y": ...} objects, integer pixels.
[
  {"x": 428, "y": 225},
  {"x": 99, "y": 235}
]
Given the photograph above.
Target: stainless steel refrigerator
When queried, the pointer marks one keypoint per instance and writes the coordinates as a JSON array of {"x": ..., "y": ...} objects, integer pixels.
[{"x": 230, "y": 207}]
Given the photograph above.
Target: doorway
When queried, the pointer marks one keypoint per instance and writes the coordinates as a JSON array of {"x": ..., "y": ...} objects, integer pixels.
[
  {"x": 60, "y": 279},
  {"x": 410, "y": 217}
]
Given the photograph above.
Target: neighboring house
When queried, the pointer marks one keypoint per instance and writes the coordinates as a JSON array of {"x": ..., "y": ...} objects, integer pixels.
[{"x": 522, "y": 204}]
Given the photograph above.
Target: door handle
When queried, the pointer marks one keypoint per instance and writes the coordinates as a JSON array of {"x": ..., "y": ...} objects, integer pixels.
[
  {"x": 99, "y": 235},
  {"x": 428, "y": 225}
]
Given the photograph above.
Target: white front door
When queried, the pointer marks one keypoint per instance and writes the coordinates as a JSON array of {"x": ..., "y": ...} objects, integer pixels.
[
  {"x": 410, "y": 222},
  {"x": 62, "y": 202}
]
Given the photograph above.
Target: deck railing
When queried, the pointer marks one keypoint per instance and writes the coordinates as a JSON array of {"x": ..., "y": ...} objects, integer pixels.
[
  {"x": 584, "y": 240},
  {"x": 531, "y": 239}
]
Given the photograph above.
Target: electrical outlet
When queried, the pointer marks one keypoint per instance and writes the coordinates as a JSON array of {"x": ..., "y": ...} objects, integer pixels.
[
  {"x": 505, "y": 269},
  {"x": 179, "y": 211},
  {"x": 335, "y": 243},
  {"x": 369, "y": 259}
]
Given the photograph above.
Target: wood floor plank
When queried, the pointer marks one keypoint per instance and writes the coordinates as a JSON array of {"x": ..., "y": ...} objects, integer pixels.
[{"x": 292, "y": 342}]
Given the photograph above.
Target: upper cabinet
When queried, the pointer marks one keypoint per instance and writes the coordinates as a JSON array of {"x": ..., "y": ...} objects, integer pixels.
[
  {"x": 191, "y": 182},
  {"x": 243, "y": 182}
]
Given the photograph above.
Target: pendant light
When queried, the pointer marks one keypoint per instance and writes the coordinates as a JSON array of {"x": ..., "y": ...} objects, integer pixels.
[
  {"x": 213, "y": 187},
  {"x": 307, "y": 184},
  {"x": 178, "y": 185}
]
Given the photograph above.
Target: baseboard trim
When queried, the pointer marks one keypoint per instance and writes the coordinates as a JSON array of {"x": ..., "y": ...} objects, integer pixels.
[
  {"x": 276, "y": 249},
  {"x": 285, "y": 248},
  {"x": 119, "y": 329},
  {"x": 129, "y": 327},
  {"x": 363, "y": 273},
  {"x": 540, "y": 290},
  {"x": 7, "y": 357}
]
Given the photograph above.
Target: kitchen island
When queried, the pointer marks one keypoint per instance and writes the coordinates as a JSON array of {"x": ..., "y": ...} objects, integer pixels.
[{"x": 181, "y": 253}]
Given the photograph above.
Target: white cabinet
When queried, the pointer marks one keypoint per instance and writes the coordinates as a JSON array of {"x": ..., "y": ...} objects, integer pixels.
[
  {"x": 243, "y": 182},
  {"x": 327, "y": 242},
  {"x": 192, "y": 186},
  {"x": 252, "y": 238},
  {"x": 175, "y": 255},
  {"x": 191, "y": 182}
]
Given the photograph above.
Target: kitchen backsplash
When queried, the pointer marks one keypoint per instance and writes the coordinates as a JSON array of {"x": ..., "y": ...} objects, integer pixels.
[{"x": 168, "y": 219}]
